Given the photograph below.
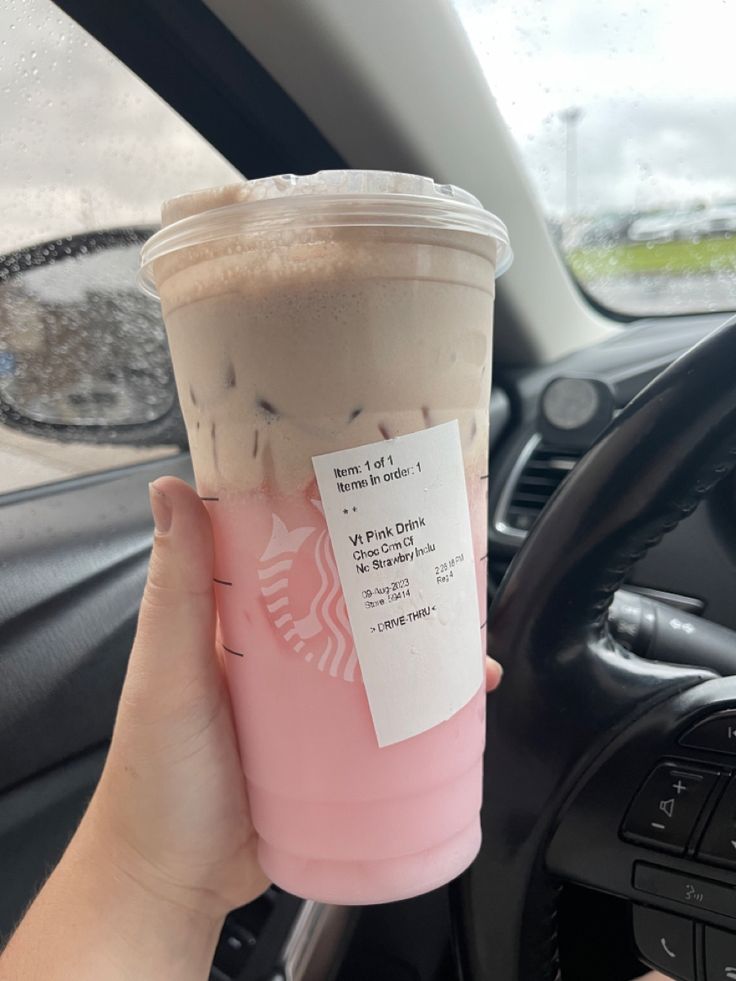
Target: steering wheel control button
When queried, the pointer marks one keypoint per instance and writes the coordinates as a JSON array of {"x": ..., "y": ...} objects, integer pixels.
[
  {"x": 719, "y": 842},
  {"x": 717, "y": 733},
  {"x": 720, "y": 955},
  {"x": 665, "y": 810},
  {"x": 665, "y": 942},
  {"x": 698, "y": 894}
]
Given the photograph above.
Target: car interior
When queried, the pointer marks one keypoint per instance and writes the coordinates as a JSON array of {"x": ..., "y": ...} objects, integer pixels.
[{"x": 609, "y": 810}]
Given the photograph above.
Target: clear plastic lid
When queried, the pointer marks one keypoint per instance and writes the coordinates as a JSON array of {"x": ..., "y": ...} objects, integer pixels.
[{"x": 327, "y": 199}]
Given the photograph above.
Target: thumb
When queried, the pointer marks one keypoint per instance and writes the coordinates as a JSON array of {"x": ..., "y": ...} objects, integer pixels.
[{"x": 173, "y": 663}]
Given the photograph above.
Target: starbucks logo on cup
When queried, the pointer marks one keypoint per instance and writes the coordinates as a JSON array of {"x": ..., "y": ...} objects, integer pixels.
[{"x": 303, "y": 597}]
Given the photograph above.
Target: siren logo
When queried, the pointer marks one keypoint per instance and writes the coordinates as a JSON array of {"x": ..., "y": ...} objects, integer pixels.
[{"x": 315, "y": 626}]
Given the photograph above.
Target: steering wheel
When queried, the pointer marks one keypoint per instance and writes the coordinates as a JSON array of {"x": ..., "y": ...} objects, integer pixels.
[{"x": 604, "y": 769}]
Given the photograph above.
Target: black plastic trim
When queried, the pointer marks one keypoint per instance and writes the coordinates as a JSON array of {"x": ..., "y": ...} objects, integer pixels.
[
  {"x": 68, "y": 613},
  {"x": 173, "y": 461},
  {"x": 36, "y": 819},
  {"x": 186, "y": 55}
]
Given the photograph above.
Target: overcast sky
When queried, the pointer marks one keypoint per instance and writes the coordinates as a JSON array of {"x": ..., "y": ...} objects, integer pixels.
[
  {"x": 654, "y": 80},
  {"x": 84, "y": 144}
]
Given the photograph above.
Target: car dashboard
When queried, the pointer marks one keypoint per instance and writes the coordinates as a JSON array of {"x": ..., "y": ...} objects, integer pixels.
[{"x": 546, "y": 421}]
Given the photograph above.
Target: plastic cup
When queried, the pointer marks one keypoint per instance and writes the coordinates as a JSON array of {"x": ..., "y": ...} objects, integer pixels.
[{"x": 308, "y": 315}]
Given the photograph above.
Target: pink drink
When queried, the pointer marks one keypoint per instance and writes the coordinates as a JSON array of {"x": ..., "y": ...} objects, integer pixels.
[{"x": 291, "y": 341}]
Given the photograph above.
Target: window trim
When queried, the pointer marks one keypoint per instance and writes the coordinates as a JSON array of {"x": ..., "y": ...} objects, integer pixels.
[{"x": 230, "y": 99}]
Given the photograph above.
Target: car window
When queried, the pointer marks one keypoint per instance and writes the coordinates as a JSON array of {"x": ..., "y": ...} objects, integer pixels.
[
  {"x": 623, "y": 114},
  {"x": 88, "y": 152}
]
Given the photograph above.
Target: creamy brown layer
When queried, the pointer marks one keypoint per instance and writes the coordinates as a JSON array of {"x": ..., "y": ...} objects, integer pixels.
[{"x": 290, "y": 345}]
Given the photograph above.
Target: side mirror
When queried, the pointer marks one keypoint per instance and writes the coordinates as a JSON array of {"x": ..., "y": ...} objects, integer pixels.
[{"x": 83, "y": 352}]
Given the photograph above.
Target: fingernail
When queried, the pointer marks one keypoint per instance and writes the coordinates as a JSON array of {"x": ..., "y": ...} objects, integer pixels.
[{"x": 161, "y": 509}]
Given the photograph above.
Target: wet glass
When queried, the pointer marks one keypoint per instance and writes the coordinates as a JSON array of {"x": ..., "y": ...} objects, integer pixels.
[
  {"x": 86, "y": 146},
  {"x": 623, "y": 113}
]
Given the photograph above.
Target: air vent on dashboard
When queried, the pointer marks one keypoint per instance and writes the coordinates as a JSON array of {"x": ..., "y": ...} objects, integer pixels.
[{"x": 539, "y": 471}]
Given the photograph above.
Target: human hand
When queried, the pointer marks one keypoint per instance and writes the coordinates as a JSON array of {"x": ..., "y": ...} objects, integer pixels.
[
  {"x": 171, "y": 802},
  {"x": 167, "y": 846}
]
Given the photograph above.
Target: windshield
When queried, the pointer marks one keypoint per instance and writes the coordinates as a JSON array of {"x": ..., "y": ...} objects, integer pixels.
[{"x": 624, "y": 116}]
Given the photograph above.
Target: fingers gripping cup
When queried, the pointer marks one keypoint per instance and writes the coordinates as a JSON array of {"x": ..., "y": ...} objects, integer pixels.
[{"x": 331, "y": 340}]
